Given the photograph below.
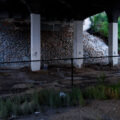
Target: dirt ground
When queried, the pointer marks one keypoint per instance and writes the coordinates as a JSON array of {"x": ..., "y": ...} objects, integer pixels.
[
  {"x": 96, "y": 110},
  {"x": 24, "y": 81}
]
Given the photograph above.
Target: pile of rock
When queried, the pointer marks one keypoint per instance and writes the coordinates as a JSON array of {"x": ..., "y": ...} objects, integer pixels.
[{"x": 94, "y": 47}]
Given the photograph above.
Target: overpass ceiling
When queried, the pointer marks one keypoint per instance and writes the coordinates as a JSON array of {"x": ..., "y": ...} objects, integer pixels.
[{"x": 57, "y": 9}]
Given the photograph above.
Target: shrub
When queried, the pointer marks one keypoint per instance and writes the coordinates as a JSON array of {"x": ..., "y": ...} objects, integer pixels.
[{"x": 100, "y": 23}]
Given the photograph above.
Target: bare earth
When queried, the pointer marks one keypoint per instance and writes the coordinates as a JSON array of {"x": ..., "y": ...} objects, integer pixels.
[
  {"x": 23, "y": 81},
  {"x": 97, "y": 110}
]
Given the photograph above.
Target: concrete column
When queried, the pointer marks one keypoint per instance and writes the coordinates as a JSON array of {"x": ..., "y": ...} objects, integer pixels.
[
  {"x": 35, "y": 42},
  {"x": 113, "y": 43},
  {"x": 78, "y": 43}
]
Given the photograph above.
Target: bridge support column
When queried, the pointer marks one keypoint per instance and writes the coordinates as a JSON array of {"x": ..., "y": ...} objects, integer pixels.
[
  {"x": 78, "y": 43},
  {"x": 35, "y": 42},
  {"x": 113, "y": 43}
]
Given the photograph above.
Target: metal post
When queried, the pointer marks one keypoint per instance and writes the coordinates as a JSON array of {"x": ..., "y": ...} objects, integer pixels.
[{"x": 72, "y": 71}]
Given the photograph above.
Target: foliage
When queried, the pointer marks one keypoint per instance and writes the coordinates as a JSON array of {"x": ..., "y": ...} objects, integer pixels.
[
  {"x": 24, "y": 105},
  {"x": 96, "y": 92},
  {"x": 102, "y": 92},
  {"x": 76, "y": 97},
  {"x": 100, "y": 24}
]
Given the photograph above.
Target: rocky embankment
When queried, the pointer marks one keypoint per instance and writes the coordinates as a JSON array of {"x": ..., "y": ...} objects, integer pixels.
[{"x": 94, "y": 47}]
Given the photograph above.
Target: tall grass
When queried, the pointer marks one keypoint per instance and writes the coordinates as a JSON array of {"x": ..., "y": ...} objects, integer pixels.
[
  {"x": 23, "y": 105},
  {"x": 102, "y": 92}
]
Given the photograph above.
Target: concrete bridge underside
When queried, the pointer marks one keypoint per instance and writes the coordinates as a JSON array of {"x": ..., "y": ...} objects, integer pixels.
[{"x": 77, "y": 11}]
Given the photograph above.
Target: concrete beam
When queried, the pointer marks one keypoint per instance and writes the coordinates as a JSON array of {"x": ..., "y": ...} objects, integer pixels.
[
  {"x": 35, "y": 42},
  {"x": 78, "y": 43},
  {"x": 113, "y": 43}
]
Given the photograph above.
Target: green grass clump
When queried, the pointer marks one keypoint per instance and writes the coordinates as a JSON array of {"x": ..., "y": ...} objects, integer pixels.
[
  {"x": 16, "y": 109},
  {"x": 26, "y": 108},
  {"x": 102, "y": 92},
  {"x": 113, "y": 92},
  {"x": 76, "y": 97},
  {"x": 96, "y": 92},
  {"x": 54, "y": 99},
  {"x": 51, "y": 98},
  {"x": 25, "y": 105}
]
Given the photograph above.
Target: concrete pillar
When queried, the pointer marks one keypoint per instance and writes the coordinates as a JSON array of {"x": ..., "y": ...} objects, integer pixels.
[
  {"x": 35, "y": 42},
  {"x": 113, "y": 43},
  {"x": 78, "y": 43}
]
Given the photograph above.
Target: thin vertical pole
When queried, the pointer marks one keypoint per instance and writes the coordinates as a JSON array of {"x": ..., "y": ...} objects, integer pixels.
[{"x": 72, "y": 72}]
